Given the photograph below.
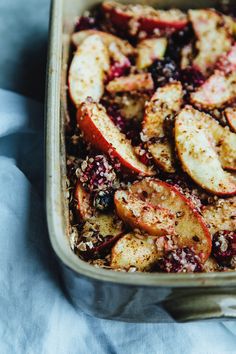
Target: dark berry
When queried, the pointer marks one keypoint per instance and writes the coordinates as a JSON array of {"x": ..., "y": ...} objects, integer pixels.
[
  {"x": 96, "y": 173},
  {"x": 191, "y": 78},
  {"x": 84, "y": 23},
  {"x": 103, "y": 200},
  {"x": 116, "y": 117},
  {"x": 164, "y": 71},
  {"x": 177, "y": 41},
  {"x": 224, "y": 247},
  {"x": 180, "y": 260}
]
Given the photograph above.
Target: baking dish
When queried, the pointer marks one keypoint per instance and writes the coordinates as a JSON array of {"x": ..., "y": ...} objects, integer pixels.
[{"x": 133, "y": 297}]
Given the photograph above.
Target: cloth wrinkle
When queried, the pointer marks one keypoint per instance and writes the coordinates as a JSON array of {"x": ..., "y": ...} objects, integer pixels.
[{"x": 35, "y": 315}]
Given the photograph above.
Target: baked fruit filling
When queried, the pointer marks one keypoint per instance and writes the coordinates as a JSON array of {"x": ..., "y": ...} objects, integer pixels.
[{"x": 151, "y": 139}]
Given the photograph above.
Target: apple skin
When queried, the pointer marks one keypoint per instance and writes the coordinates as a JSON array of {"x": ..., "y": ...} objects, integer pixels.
[
  {"x": 109, "y": 39},
  {"x": 197, "y": 154},
  {"x": 87, "y": 70},
  {"x": 83, "y": 207},
  {"x": 85, "y": 212},
  {"x": 210, "y": 28},
  {"x": 120, "y": 18},
  {"x": 134, "y": 82},
  {"x": 101, "y": 132},
  {"x": 161, "y": 220},
  {"x": 165, "y": 102},
  {"x": 130, "y": 251},
  {"x": 230, "y": 115},
  {"x": 164, "y": 195}
]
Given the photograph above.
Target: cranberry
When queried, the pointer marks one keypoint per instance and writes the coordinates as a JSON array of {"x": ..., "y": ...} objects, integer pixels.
[
  {"x": 118, "y": 69},
  {"x": 96, "y": 173},
  {"x": 180, "y": 260},
  {"x": 116, "y": 117},
  {"x": 191, "y": 78},
  {"x": 164, "y": 71},
  {"x": 84, "y": 23},
  {"x": 224, "y": 247}
]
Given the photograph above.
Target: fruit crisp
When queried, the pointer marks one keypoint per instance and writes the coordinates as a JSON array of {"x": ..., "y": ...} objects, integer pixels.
[{"x": 151, "y": 139}]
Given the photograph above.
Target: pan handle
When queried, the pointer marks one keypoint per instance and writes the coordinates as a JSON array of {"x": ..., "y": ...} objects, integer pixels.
[{"x": 202, "y": 306}]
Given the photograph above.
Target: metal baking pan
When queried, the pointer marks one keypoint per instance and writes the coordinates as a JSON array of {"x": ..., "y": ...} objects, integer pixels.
[{"x": 133, "y": 297}]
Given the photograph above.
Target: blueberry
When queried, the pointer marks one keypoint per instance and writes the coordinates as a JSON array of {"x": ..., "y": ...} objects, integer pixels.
[
  {"x": 164, "y": 71},
  {"x": 191, "y": 78},
  {"x": 103, "y": 200},
  {"x": 177, "y": 41}
]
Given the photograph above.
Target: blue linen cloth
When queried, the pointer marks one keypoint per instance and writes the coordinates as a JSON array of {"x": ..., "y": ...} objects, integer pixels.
[{"x": 35, "y": 315}]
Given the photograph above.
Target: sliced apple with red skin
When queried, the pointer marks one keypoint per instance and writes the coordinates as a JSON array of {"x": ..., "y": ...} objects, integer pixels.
[
  {"x": 217, "y": 91},
  {"x": 221, "y": 215},
  {"x": 143, "y": 215},
  {"x": 189, "y": 227},
  {"x": 230, "y": 115},
  {"x": 118, "y": 49},
  {"x": 87, "y": 70},
  {"x": 99, "y": 233},
  {"x": 83, "y": 207},
  {"x": 165, "y": 102},
  {"x": 135, "y": 18},
  {"x": 223, "y": 141},
  {"x": 101, "y": 132},
  {"x": 213, "y": 37},
  {"x": 109, "y": 40},
  {"x": 133, "y": 82},
  {"x": 148, "y": 50},
  {"x": 227, "y": 62},
  {"x": 134, "y": 251},
  {"x": 198, "y": 156}
]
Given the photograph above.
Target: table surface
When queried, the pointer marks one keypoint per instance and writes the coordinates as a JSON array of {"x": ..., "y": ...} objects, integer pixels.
[{"x": 23, "y": 44}]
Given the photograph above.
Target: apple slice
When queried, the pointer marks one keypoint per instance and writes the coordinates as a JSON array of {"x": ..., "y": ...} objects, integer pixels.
[
  {"x": 221, "y": 215},
  {"x": 135, "y": 18},
  {"x": 223, "y": 141},
  {"x": 211, "y": 266},
  {"x": 133, "y": 251},
  {"x": 142, "y": 215},
  {"x": 109, "y": 40},
  {"x": 186, "y": 56},
  {"x": 133, "y": 82},
  {"x": 227, "y": 62},
  {"x": 118, "y": 49},
  {"x": 189, "y": 227},
  {"x": 213, "y": 37},
  {"x": 87, "y": 70},
  {"x": 166, "y": 102},
  {"x": 98, "y": 233},
  {"x": 101, "y": 132},
  {"x": 198, "y": 157},
  {"x": 131, "y": 105},
  {"x": 83, "y": 207},
  {"x": 230, "y": 115},
  {"x": 216, "y": 92},
  {"x": 150, "y": 50}
]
